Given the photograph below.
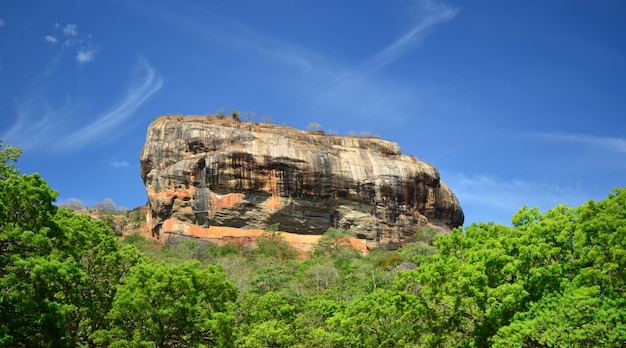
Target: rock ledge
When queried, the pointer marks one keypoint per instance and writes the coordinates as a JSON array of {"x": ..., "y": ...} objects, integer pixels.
[{"x": 210, "y": 171}]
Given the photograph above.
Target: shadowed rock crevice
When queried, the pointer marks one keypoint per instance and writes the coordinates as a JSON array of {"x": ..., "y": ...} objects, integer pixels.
[{"x": 210, "y": 171}]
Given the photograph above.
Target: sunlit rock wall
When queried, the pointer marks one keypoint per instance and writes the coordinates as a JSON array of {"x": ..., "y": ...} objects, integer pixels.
[{"x": 212, "y": 171}]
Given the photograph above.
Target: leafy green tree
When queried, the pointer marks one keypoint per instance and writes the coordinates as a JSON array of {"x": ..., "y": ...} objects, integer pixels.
[
  {"x": 319, "y": 276},
  {"x": 581, "y": 317},
  {"x": 311, "y": 323},
  {"x": 58, "y": 270},
  {"x": 164, "y": 306},
  {"x": 495, "y": 284},
  {"x": 8, "y": 155},
  {"x": 417, "y": 252},
  {"x": 474, "y": 285},
  {"x": 238, "y": 268},
  {"x": 335, "y": 242},
  {"x": 265, "y": 320},
  {"x": 235, "y": 115},
  {"x": 102, "y": 264},
  {"x": 588, "y": 308},
  {"x": 272, "y": 277},
  {"x": 272, "y": 244},
  {"x": 27, "y": 236},
  {"x": 383, "y": 318}
]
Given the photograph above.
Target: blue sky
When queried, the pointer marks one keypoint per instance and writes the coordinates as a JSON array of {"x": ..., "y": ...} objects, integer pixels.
[{"x": 514, "y": 102}]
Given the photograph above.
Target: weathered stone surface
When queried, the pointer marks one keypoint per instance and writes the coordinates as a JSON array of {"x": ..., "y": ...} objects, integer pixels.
[{"x": 210, "y": 171}]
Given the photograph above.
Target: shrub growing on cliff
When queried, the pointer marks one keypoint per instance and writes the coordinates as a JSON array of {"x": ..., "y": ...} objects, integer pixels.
[
  {"x": 314, "y": 127},
  {"x": 272, "y": 244},
  {"x": 335, "y": 243},
  {"x": 248, "y": 116},
  {"x": 235, "y": 115}
]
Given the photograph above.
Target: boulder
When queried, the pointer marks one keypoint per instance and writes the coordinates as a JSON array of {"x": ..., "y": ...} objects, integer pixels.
[{"x": 210, "y": 171}]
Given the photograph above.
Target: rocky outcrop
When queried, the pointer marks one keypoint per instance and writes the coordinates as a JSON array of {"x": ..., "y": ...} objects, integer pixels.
[{"x": 213, "y": 171}]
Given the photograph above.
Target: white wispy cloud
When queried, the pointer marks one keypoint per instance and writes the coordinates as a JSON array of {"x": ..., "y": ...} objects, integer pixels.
[
  {"x": 487, "y": 198},
  {"x": 2, "y": 22},
  {"x": 51, "y": 39},
  {"x": 86, "y": 51},
  {"x": 70, "y": 30},
  {"x": 36, "y": 122},
  {"x": 119, "y": 164},
  {"x": 352, "y": 89},
  {"x": 105, "y": 125},
  {"x": 353, "y": 85},
  {"x": 42, "y": 127},
  {"x": 84, "y": 55},
  {"x": 428, "y": 14},
  {"x": 609, "y": 143}
]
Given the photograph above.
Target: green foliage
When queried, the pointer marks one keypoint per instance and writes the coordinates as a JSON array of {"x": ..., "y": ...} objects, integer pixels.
[
  {"x": 385, "y": 259},
  {"x": 553, "y": 279},
  {"x": 8, "y": 155},
  {"x": 320, "y": 276},
  {"x": 383, "y": 318},
  {"x": 137, "y": 218},
  {"x": 165, "y": 306},
  {"x": 235, "y": 115},
  {"x": 271, "y": 277},
  {"x": 58, "y": 270},
  {"x": 417, "y": 252},
  {"x": 497, "y": 284},
  {"x": 581, "y": 317},
  {"x": 265, "y": 320},
  {"x": 311, "y": 326},
  {"x": 335, "y": 243},
  {"x": 272, "y": 244}
]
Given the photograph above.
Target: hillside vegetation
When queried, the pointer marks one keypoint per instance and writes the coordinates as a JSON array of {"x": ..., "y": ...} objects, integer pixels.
[{"x": 553, "y": 279}]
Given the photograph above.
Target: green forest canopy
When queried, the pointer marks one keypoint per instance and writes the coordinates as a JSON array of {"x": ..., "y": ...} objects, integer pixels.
[{"x": 553, "y": 279}]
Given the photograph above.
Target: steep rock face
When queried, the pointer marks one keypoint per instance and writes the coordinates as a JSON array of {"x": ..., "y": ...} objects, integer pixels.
[{"x": 211, "y": 171}]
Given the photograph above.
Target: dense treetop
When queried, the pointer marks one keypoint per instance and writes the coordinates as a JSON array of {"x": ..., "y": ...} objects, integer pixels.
[{"x": 551, "y": 279}]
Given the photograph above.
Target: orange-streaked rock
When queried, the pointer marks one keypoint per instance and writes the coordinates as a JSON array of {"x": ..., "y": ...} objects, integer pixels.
[
  {"x": 210, "y": 172},
  {"x": 222, "y": 235}
]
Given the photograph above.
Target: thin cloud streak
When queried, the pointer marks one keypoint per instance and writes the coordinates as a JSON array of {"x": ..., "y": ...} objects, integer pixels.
[
  {"x": 358, "y": 85},
  {"x": 28, "y": 132},
  {"x": 42, "y": 127},
  {"x": 486, "y": 198},
  {"x": 338, "y": 87},
  {"x": 244, "y": 38},
  {"x": 119, "y": 164},
  {"x": 431, "y": 14},
  {"x": 108, "y": 123},
  {"x": 610, "y": 143}
]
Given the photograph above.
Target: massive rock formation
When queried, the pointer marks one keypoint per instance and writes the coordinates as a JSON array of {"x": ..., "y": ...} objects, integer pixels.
[{"x": 203, "y": 172}]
